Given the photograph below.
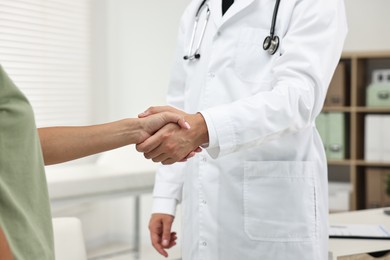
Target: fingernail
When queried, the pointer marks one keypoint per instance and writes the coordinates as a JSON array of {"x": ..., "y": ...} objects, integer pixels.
[
  {"x": 187, "y": 125},
  {"x": 165, "y": 242}
]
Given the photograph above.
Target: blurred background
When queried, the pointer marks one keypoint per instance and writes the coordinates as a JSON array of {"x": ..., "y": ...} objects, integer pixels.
[{"x": 92, "y": 61}]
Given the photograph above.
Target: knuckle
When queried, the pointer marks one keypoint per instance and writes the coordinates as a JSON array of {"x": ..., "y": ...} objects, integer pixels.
[{"x": 165, "y": 136}]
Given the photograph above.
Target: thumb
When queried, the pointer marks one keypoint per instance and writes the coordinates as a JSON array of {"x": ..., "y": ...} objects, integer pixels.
[{"x": 166, "y": 236}]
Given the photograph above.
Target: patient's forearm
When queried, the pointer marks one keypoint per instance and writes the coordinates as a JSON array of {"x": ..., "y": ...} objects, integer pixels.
[{"x": 61, "y": 144}]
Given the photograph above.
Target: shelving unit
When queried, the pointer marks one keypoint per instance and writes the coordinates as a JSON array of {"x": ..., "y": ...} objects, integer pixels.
[{"x": 358, "y": 67}]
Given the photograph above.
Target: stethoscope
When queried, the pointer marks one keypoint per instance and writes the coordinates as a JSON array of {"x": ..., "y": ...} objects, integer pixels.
[{"x": 270, "y": 44}]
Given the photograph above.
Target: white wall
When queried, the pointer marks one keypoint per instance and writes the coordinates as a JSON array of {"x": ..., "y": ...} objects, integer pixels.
[
  {"x": 139, "y": 42},
  {"x": 369, "y": 25}
]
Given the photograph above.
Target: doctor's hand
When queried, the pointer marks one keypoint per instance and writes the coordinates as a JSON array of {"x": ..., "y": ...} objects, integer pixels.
[
  {"x": 171, "y": 143},
  {"x": 162, "y": 238},
  {"x": 151, "y": 124}
]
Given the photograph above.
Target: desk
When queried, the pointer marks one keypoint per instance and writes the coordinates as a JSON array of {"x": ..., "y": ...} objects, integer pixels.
[
  {"x": 70, "y": 185},
  {"x": 343, "y": 247}
]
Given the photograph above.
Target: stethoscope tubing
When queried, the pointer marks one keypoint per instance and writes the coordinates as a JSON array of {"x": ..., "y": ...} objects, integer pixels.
[
  {"x": 270, "y": 44},
  {"x": 196, "y": 54}
]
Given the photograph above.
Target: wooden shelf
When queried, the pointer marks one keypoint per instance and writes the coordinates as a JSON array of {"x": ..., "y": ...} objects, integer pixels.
[
  {"x": 358, "y": 68},
  {"x": 340, "y": 162},
  {"x": 337, "y": 109},
  {"x": 366, "y": 55},
  {"x": 372, "y": 164},
  {"x": 372, "y": 109}
]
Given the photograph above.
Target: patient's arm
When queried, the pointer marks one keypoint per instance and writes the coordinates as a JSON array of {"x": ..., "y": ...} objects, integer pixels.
[{"x": 61, "y": 144}]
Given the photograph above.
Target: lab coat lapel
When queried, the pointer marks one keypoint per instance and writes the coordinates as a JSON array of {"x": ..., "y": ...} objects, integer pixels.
[
  {"x": 216, "y": 11},
  {"x": 237, "y": 7}
]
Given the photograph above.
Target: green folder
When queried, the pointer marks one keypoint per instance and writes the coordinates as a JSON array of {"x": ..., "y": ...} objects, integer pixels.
[{"x": 336, "y": 136}]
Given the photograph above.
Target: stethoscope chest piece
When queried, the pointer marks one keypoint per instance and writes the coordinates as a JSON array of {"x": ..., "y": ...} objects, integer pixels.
[{"x": 271, "y": 44}]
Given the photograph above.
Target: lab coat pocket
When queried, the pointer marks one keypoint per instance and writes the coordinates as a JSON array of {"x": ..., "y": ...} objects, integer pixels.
[
  {"x": 251, "y": 63},
  {"x": 280, "y": 201}
]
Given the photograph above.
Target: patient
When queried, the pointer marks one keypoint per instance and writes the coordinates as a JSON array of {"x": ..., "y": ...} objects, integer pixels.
[{"x": 25, "y": 220}]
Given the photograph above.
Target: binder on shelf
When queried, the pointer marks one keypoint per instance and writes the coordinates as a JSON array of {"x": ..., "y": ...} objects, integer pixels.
[
  {"x": 386, "y": 138},
  {"x": 386, "y": 188},
  {"x": 378, "y": 92},
  {"x": 377, "y": 139},
  {"x": 336, "y": 91},
  {"x": 378, "y": 95},
  {"x": 373, "y": 150},
  {"x": 373, "y": 188},
  {"x": 331, "y": 127},
  {"x": 336, "y": 136}
]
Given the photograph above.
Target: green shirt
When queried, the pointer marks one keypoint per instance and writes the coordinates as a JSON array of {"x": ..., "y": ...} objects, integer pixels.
[{"x": 24, "y": 202}]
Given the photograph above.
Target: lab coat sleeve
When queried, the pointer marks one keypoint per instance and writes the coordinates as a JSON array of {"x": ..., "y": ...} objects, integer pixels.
[
  {"x": 309, "y": 53},
  {"x": 168, "y": 188},
  {"x": 169, "y": 178}
]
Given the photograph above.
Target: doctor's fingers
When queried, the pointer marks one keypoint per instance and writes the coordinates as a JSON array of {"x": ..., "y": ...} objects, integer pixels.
[
  {"x": 155, "y": 140},
  {"x": 155, "y": 228},
  {"x": 166, "y": 236},
  {"x": 167, "y": 158},
  {"x": 160, "y": 158},
  {"x": 156, "y": 243},
  {"x": 159, "y": 109},
  {"x": 192, "y": 154},
  {"x": 149, "y": 145},
  {"x": 173, "y": 241}
]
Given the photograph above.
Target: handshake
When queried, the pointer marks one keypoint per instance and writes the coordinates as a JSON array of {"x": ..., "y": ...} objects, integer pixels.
[{"x": 169, "y": 135}]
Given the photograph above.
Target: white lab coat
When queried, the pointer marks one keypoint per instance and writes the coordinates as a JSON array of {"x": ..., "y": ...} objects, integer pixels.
[{"x": 259, "y": 191}]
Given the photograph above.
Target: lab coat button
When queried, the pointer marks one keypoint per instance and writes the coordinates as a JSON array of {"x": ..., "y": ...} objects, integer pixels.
[
  {"x": 204, "y": 159},
  {"x": 204, "y": 243},
  {"x": 204, "y": 202}
]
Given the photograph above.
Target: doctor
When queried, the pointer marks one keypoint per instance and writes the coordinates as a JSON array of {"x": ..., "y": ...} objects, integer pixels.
[{"x": 259, "y": 190}]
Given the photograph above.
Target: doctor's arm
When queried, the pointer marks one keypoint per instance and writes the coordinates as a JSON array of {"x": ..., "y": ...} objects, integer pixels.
[{"x": 61, "y": 144}]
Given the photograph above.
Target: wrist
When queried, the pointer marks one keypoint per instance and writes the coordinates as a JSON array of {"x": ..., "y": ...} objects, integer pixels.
[
  {"x": 199, "y": 127},
  {"x": 134, "y": 130}
]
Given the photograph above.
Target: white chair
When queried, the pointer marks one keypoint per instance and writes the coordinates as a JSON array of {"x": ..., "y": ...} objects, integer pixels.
[{"x": 68, "y": 239}]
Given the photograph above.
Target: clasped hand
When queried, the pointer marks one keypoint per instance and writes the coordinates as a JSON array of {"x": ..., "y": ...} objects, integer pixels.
[{"x": 173, "y": 143}]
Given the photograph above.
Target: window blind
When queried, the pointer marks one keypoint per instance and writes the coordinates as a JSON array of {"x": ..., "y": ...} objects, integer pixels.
[{"x": 45, "y": 48}]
